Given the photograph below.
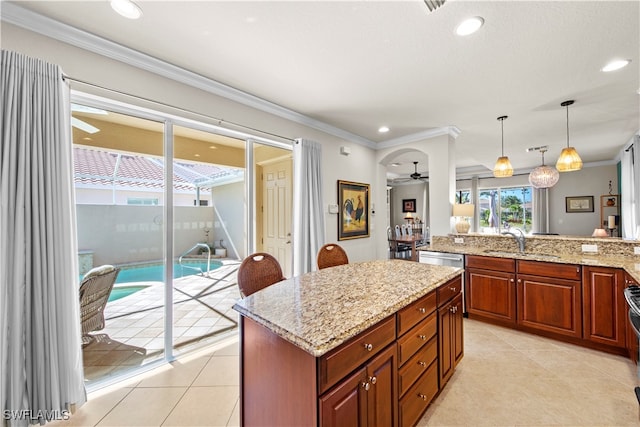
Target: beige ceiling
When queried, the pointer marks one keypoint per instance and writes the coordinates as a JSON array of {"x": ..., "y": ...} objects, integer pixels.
[{"x": 357, "y": 65}]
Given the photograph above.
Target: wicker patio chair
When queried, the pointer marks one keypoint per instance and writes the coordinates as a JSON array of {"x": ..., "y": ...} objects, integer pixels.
[
  {"x": 95, "y": 288},
  {"x": 331, "y": 255},
  {"x": 258, "y": 271}
]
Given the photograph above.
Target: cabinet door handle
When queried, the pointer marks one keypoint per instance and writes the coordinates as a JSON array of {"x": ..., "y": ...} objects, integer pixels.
[
  {"x": 422, "y": 310},
  {"x": 422, "y": 337},
  {"x": 421, "y": 363},
  {"x": 511, "y": 280},
  {"x": 453, "y": 289},
  {"x": 368, "y": 347},
  {"x": 373, "y": 380},
  {"x": 422, "y": 396},
  {"x": 519, "y": 280},
  {"x": 366, "y": 386}
]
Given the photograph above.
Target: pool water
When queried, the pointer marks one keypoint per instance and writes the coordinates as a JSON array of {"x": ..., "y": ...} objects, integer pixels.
[
  {"x": 155, "y": 272},
  {"x": 123, "y": 291}
]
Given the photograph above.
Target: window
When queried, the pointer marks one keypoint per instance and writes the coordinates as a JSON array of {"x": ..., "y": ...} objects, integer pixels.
[
  {"x": 463, "y": 196},
  {"x": 503, "y": 208}
]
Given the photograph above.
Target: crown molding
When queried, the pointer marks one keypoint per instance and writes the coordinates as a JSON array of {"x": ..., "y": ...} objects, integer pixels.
[
  {"x": 48, "y": 27},
  {"x": 416, "y": 137}
]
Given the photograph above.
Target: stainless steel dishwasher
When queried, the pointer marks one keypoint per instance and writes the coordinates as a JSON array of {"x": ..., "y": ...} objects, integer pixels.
[{"x": 444, "y": 258}]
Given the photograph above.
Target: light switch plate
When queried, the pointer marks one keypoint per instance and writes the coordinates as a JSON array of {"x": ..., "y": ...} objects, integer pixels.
[
  {"x": 458, "y": 240},
  {"x": 636, "y": 250},
  {"x": 333, "y": 209},
  {"x": 590, "y": 248}
]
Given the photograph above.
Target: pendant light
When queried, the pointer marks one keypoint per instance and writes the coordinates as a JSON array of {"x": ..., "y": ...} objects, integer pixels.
[
  {"x": 569, "y": 159},
  {"x": 543, "y": 176},
  {"x": 503, "y": 168}
]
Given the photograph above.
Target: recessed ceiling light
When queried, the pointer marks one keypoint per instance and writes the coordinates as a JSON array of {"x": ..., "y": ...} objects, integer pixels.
[
  {"x": 616, "y": 65},
  {"x": 395, "y": 164},
  {"x": 196, "y": 155},
  {"x": 469, "y": 26},
  {"x": 126, "y": 8},
  {"x": 383, "y": 129}
]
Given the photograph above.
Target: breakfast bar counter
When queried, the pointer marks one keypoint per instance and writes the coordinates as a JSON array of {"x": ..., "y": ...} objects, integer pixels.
[
  {"x": 367, "y": 343},
  {"x": 318, "y": 311}
]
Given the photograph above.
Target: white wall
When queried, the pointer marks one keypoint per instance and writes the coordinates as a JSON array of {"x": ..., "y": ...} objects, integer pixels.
[
  {"x": 125, "y": 234},
  {"x": 228, "y": 204},
  {"x": 87, "y": 66}
]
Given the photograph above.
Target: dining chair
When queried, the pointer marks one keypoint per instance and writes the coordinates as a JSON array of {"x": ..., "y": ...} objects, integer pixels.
[
  {"x": 331, "y": 255},
  {"x": 257, "y": 271},
  {"x": 401, "y": 248}
]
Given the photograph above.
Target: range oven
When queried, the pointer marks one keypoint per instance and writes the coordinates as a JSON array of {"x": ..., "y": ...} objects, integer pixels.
[{"x": 632, "y": 295}]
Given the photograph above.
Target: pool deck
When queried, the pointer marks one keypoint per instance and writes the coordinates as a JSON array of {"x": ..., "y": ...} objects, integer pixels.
[{"x": 134, "y": 332}]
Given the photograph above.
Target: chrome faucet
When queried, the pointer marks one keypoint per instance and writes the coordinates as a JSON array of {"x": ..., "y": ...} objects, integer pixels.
[{"x": 519, "y": 238}]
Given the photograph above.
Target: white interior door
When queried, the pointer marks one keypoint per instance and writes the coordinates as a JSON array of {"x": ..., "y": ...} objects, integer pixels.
[{"x": 277, "y": 194}]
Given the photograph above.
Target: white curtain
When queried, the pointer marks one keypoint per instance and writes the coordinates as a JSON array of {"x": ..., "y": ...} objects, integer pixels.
[
  {"x": 40, "y": 344},
  {"x": 630, "y": 189},
  {"x": 308, "y": 218}
]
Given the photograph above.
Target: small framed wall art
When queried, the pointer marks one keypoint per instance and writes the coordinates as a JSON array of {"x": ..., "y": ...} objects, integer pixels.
[{"x": 353, "y": 200}]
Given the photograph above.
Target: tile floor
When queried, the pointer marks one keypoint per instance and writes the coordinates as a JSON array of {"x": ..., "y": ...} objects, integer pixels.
[{"x": 506, "y": 378}]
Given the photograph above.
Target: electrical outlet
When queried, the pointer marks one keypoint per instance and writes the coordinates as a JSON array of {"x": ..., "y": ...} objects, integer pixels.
[
  {"x": 636, "y": 250},
  {"x": 458, "y": 240},
  {"x": 590, "y": 248}
]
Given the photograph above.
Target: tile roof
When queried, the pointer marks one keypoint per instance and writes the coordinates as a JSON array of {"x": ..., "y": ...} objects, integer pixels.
[{"x": 101, "y": 168}]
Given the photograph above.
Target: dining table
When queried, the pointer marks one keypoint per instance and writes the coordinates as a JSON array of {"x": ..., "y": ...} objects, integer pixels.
[{"x": 412, "y": 240}]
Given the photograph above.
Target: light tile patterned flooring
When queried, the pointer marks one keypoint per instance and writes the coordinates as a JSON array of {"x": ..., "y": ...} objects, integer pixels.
[{"x": 506, "y": 378}]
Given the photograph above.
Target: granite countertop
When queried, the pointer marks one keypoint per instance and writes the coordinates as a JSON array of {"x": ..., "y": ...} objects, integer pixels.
[
  {"x": 553, "y": 250},
  {"x": 318, "y": 311}
]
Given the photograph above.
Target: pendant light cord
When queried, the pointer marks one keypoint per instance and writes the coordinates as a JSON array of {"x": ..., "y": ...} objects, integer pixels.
[{"x": 567, "y": 125}]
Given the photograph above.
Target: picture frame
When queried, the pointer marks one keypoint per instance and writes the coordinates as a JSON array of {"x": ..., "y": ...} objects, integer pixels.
[
  {"x": 353, "y": 213},
  {"x": 576, "y": 204},
  {"x": 409, "y": 205}
]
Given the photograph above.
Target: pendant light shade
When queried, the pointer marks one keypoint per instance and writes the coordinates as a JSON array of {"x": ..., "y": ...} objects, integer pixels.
[
  {"x": 543, "y": 176},
  {"x": 503, "y": 167},
  {"x": 569, "y": 159}
]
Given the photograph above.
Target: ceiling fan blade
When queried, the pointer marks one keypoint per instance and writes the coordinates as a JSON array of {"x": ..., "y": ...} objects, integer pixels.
[
  {"x": 85, "y": 109},
  {"x": 77, "y": 123}
]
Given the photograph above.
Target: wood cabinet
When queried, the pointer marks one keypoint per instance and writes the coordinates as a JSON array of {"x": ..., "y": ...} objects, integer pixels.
[
  {"x": 549, "y": 297},
  {"x": 417, "y": 358},
  {"x": 490, "y": 289},
  {"x": 604, "y": 307},
  {"x": 450, "y": 337},
  {"x": 366, "y": 398}
]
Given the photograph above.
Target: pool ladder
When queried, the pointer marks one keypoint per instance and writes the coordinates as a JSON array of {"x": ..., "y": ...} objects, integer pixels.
[{"x": 198, "y": 245}]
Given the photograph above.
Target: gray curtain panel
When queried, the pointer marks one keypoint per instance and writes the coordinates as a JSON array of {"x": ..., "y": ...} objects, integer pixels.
[
  {"x": 40, "y": 344},
  {"x": 630, "y": 188},
  {"x": 308, "y": 217}
]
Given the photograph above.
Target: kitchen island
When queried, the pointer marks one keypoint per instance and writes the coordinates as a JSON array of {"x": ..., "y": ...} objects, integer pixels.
[{"x": 352, "y": 343}]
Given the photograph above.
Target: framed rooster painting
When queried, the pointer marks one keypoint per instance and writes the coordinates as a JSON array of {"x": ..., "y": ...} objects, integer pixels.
[{"x": 353, "y": 200}]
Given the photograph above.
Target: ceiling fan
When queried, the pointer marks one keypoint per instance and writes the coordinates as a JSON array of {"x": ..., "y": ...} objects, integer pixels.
[
  {"x": 415, "y": 176},
  {"x": 82, "y": 125}
]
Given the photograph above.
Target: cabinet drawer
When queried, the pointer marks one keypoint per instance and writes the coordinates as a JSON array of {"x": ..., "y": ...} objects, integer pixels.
[
  {"x": 417, "y": 365},
  {"x": 418, "y": 336},
  {"x": 336, "y": 364},
  {"x": 415, "y": 312},
  {"x": 449, "y": 290},
  {"x": 414, "y": 403},
  {"x": 550, "y": 269},
  {"x": 491, "y": 263}
]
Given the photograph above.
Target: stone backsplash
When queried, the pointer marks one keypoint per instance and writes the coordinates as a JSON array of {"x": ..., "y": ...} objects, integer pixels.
[{"x": 538, "y": 244}]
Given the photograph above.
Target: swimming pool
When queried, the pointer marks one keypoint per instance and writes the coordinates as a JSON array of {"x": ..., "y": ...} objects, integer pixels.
[
  {"x": 123, "y": 291},
  {"x": 155, "y": 272}
]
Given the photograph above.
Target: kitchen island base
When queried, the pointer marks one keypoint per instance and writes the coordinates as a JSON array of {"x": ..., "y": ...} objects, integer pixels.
[{"x": 368, "y": 380}]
